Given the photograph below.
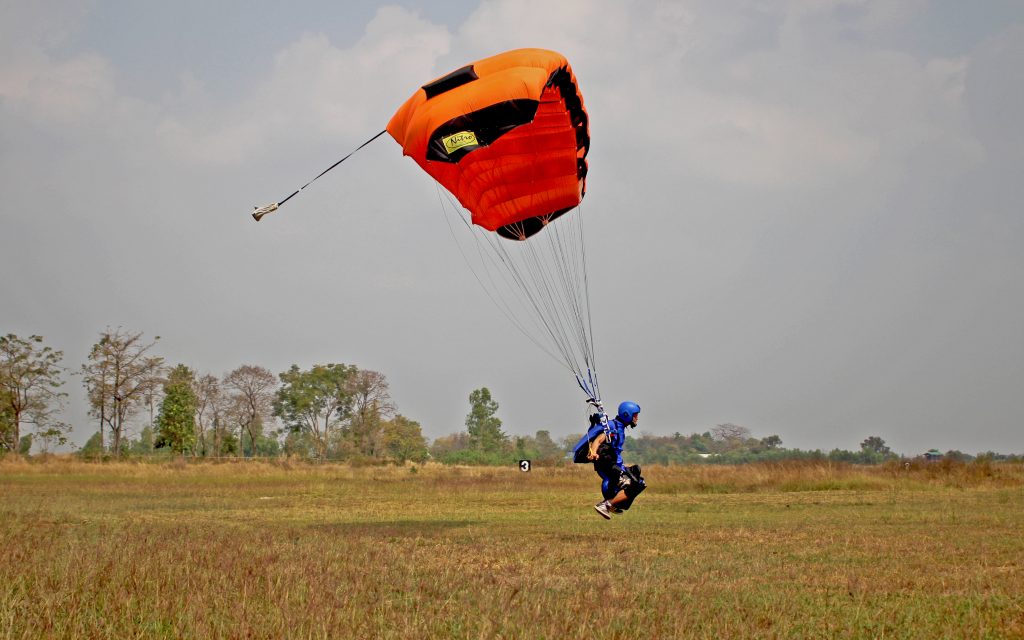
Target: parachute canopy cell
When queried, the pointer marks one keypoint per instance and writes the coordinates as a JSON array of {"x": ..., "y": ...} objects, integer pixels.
[{"x": 507, "y": 135}]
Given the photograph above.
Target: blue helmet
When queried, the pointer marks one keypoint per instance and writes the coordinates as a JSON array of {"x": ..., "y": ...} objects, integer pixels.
[{"x": 627, "y": 410}]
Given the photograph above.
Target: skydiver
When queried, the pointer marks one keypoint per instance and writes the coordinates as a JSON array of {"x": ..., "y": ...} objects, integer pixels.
[{"x": 602, "y": 445}]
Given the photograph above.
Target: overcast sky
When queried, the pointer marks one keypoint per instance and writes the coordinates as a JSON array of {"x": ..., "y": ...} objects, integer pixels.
[{"x": 803, "y": 217}]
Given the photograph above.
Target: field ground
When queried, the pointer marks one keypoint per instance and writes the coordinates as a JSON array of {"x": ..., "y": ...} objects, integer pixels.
[{"x": 288, "y": 550}]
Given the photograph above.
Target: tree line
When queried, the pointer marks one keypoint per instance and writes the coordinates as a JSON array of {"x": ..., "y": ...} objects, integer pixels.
[
  {"x": 329, "y": 411},
  {"x": 734, "y": 444},
  {"x": 332, "y": 410},
  {"x": 484, "y": 441}
]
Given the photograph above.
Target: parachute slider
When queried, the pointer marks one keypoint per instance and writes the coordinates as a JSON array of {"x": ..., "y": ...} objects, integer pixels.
[{"x": 259, "y": 212}]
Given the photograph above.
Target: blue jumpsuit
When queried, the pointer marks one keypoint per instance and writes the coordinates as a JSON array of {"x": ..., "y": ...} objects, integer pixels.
[{"x": 609, "y": 472}]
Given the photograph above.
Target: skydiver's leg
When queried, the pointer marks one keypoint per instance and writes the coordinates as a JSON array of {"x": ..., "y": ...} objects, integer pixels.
[
  {"x": 633, "y": 488},
  {"x": 609, "y": 480},
  {"x": 610, "y": 491},
  {"x": 611, "y": 505},
  {"x": 628, "y": 502}
]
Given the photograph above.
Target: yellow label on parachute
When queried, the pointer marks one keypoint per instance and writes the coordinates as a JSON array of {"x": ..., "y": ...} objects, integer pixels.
[{"x": 459, "y": 140}]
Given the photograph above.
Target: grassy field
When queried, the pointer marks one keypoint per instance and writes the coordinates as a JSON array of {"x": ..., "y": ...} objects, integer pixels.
[{"x": 288, "y": 550}]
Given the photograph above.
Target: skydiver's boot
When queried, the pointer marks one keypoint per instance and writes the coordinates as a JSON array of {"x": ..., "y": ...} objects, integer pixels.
[{"x": 604, "y": 509}]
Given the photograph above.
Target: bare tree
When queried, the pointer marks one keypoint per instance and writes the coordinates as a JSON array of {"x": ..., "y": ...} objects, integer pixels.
[
  {"x": 209, "y": 404},
  {"x": 29, "y": 379},
  {"x": 222, "y": 421},
  {"x": 151, "y": 399},
  {"x": 253, "y": 390},
  {"x": 371, "y": 405},
  {"x": 232, "y": 423},
  {"x": 97, "y": 381},
  {"x": 731, "y": 435},
  {"x": 118, "y": 378}
]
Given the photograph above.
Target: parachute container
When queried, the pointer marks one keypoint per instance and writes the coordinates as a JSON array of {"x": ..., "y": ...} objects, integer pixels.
[{"x": 507, "y": 135}]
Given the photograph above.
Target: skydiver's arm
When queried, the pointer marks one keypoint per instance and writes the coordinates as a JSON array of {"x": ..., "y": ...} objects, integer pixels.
[{"x": 594, "y": 444}]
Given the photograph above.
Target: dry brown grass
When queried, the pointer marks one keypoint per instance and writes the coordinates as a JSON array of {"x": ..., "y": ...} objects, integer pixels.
[{"x": 265, "y": 549}]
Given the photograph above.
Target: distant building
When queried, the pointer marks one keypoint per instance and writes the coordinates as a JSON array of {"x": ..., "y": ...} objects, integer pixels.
[{"x": 932, "y": 455}]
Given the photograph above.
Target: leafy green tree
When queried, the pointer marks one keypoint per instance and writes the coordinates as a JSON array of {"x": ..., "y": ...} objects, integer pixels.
[
  {"x": 55, "y": 433},
  {"x": 93, "y": 447},
  {"x": 703, "y": 442},
  {"x": 145, "y": 444},
  {"x": 228, "y": 444},
  {"x": 403, "y": 440},
  {"x": 874, "y": 444},
  {"x": 566, "y": 443},
  {"x": 228, "y": 423},
  {"x": 540, "y": 448},
  {"x": 547, "y": 450},
  {"x": 298, "y": 443},
  {"x": 176, "y": 424},
  {"x": 957, "y": 456},
  {"x": 30, "y": 376},
  {"x": 483, "y": 426},
  {"x": 317, "y": 402},
  {"x": 263, "y": 445},
  {"x": 6, "y": 419},
  {"x": 267, "y": 446}
]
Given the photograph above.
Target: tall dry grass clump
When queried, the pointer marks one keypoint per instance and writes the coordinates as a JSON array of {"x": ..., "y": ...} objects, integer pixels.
[{"x": 834, "y": 476}]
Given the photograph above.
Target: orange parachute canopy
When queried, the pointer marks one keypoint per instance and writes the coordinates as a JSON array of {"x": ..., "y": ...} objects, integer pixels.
[{"x": 507, "y": 135}]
